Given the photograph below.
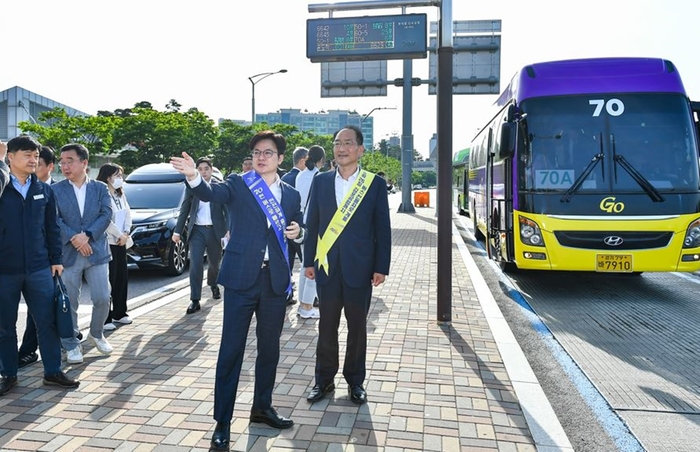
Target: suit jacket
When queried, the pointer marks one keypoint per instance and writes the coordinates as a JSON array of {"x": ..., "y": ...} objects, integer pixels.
[
  {"x": 250, "y": 234},
  {"x": 364, "y": 246},
  {"x": 97, "y": 214},
  {"x": 4, "y": 176},
  {"x": 189, "y": 208},
  {"x": 291, "y": 176}
]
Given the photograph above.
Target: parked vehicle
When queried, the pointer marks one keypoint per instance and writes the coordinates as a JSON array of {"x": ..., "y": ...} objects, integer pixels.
[{"x": 155, "y": 193}]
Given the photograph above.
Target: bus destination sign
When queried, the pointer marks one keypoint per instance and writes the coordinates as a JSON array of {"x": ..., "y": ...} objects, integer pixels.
[{"x": 367, "y": 38}]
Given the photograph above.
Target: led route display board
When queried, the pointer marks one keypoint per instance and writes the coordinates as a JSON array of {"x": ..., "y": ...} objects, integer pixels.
[{"x": 367, "y": 38}]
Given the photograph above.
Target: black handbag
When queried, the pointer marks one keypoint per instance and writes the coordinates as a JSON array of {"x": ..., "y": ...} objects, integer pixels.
[{"x": 64, "y": 317}]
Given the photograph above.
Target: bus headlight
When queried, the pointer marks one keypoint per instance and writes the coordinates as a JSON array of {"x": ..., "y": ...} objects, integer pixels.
[
  {"x": 530, "y": 233},
  {"x": 692, "y": 235}
]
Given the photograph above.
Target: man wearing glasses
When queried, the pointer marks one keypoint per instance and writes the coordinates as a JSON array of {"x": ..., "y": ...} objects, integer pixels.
[
  {"x": 347, "y": 252},
  {"x": 264, "y": 214},
  {"x": 84, "y": 213}
]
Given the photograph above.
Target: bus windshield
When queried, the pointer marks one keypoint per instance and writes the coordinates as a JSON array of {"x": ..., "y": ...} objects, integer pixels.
[{"x": 639, "y": 143}]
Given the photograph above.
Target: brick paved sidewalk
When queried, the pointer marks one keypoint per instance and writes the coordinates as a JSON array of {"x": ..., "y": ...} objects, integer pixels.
[{"x": 431, "y": 387}]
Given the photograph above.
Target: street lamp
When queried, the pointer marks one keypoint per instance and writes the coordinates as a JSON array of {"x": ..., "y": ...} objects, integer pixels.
[
  {"x": 256, "y": 79},
  {"x": 373, "y": 110}
]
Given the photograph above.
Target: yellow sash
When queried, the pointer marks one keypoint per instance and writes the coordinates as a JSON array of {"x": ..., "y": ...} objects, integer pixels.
[{"x": 340, "y": 219}]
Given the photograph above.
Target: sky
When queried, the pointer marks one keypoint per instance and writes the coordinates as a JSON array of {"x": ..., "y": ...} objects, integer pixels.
[{"x": 106, "y": 55}]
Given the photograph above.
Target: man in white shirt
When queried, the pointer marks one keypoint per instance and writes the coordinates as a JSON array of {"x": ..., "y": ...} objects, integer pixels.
[{"x": 208, "y": 223}]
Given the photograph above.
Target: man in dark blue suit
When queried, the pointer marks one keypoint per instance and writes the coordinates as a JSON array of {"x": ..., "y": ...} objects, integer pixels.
[
  {"x": 30, "y": 244},
  {"x": 347, "y": 252},
  {"x": 264, "y": 213}
]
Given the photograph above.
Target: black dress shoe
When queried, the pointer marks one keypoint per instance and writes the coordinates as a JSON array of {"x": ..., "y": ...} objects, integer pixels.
[
  {"x": 215, "y": 292},
  {"x": 290, "y": 299},
  {"x": 60, "y": 379},
  {"x": 318, "y": 392},
  {"x": 27, "y": 359},
  {"x": 221, "y": 438},
  {"x": 7, "y": 383},
  {"x": 271, "y": 418},
  {"x": 357, "y": 394},
  {"x": 193, "y": 307}
]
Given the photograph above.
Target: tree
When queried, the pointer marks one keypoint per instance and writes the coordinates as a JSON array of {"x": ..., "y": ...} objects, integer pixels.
[
  {"x": 151, "y": 136},
  {"x": 56, "y": 128},
  {"x": 376, "y": 162}
]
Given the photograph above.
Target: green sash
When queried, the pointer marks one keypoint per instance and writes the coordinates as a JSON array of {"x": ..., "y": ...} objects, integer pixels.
[{"x": 342, "y": 216}]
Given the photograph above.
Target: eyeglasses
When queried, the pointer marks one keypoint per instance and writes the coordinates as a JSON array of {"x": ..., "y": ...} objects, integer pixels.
[
  {"x": 343, "y": 144},
  {"x": 68, "y": 162},
  {"x": 266, "y": 154}
]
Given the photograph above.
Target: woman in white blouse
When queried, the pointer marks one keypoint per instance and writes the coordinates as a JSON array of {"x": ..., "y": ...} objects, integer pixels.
[{"x": 119, "y": 241}]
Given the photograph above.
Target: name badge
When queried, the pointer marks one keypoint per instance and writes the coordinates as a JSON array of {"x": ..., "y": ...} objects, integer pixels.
[{"x": 38, "y": 196}]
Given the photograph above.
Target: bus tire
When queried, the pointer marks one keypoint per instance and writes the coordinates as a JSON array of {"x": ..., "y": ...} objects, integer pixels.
[{"x": 477, "y": 233}]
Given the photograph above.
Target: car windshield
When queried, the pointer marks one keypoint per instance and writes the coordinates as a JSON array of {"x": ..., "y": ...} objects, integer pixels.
[{"x": 154, "y": 196}]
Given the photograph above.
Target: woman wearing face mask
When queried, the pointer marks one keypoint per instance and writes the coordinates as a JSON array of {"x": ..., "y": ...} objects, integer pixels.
[{"x": 119, "y": 240}]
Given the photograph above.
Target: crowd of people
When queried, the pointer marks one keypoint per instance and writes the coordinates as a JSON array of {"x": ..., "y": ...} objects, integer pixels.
[{"x": 250, "y": 226}]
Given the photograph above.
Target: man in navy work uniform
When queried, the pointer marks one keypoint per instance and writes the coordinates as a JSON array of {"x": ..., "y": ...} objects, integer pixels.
[
  {"x": 30, "y": 243},
  {"x": 263, "y": 214},
  {"x": 347, "y": 252}
]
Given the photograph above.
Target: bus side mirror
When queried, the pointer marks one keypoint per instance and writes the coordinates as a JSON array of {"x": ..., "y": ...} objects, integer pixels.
[{"x": 506, "y": 147}]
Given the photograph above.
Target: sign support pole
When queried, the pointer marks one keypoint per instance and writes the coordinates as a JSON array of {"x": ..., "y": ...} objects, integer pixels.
[{"x": 445, "y": 54}]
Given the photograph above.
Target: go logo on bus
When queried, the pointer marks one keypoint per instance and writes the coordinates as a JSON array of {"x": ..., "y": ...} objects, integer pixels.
[{"x": 609, "y": 205}]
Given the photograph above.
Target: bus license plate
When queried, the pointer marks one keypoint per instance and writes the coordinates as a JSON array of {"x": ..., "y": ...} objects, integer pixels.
[{"x": 614, "y": 263}]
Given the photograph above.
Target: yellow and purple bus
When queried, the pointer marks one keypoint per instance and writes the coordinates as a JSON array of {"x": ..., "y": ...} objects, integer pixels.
[{"x": 590, "y": 165}]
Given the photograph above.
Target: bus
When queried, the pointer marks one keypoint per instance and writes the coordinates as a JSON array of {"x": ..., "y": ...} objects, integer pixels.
[
  {"x": 460, "y": 180},
  {"x": 589, "y": 165}
]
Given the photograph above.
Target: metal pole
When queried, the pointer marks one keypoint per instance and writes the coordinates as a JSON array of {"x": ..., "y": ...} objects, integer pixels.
[
  {"x": 252, "y": 98},
  {"x": 445, "y": 54},
  {"x": 407, "y": 140}
]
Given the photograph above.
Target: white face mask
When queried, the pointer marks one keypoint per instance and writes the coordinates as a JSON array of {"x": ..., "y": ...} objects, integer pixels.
[{"x": 117, "y": 182}]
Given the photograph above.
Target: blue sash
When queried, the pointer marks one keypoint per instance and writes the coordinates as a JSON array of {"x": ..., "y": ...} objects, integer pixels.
[{"x": 272, "y": 210}]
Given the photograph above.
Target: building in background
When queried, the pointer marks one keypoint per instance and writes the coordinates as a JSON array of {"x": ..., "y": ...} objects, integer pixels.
[
  {"x": 323, "y": 123},
  {"x": 18, "y": 104}
]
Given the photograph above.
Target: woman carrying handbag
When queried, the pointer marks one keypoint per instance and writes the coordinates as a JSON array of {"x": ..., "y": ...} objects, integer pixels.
[{"x": 119, "y": 241}]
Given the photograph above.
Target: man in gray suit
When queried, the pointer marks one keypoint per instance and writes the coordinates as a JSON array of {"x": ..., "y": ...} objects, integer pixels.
[
  {"x": 84, "y": 213},
  {"x": 208, "y": 224}
]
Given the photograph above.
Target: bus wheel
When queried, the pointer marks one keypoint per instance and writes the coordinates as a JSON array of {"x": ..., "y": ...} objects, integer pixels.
[{"x": 477, "y": 233}]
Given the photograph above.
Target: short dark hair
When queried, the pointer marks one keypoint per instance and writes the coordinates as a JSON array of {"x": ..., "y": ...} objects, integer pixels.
[
  {"x": 82, "y": 151},
  {"x": 206, "y": 160},
  {"x": 278, "y": 139},
  {"x": 358, "y": 134},
  {"x": 47, "y": 154},
  {"x": 23, "y": 143}
]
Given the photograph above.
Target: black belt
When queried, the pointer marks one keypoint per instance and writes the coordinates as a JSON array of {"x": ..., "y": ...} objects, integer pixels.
[
  {"x": 205, "y": 225},
  {"x": 265, "y": 264}
]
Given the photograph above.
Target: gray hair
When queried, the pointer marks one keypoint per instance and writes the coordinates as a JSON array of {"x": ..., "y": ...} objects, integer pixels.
[{"x": 299, "y": 154}]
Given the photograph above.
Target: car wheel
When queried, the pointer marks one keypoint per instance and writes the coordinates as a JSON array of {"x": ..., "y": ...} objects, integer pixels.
[{"x": 177, "y": 258}]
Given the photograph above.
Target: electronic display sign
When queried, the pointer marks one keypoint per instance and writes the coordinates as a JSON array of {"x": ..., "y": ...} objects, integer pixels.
[{"x": 367, "y": 38}]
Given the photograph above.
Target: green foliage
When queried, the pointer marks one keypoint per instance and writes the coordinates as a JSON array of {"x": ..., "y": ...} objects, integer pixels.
[
  {"x": 376, "y": 162},
  {"x": 151, "y": 136},
  {"x": 425, "y": 178},
  {"x": 55, "y": 128},
  {"x": 143, "y": 135}
]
